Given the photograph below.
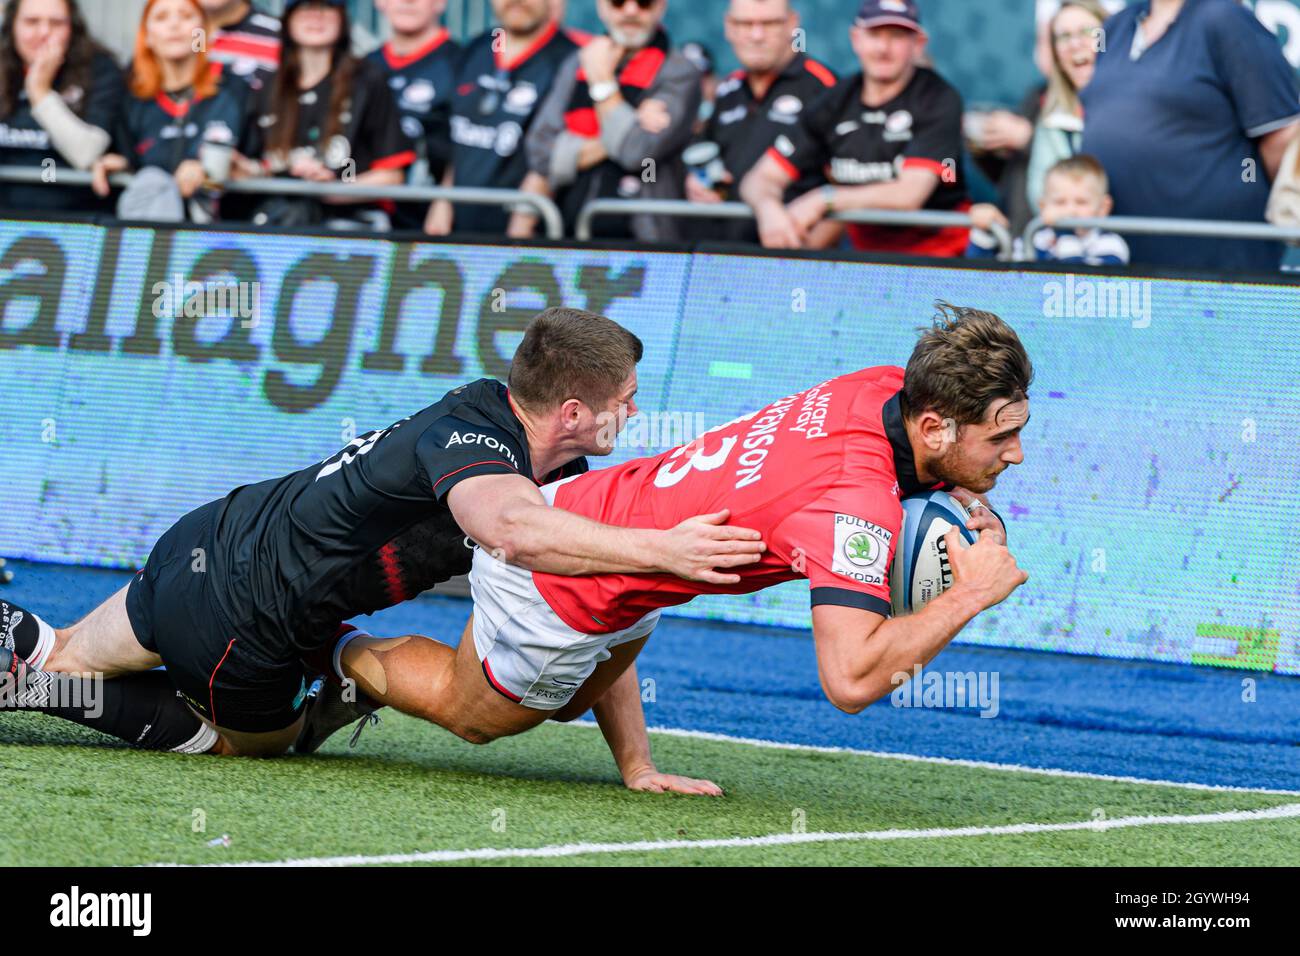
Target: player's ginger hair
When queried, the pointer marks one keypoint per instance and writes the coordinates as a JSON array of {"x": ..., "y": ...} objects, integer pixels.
[{"x": 963, "y": 361}]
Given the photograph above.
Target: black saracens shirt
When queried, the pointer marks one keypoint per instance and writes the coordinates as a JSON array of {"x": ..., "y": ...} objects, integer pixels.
[
  {"x": 24, "y": 142},
  {"x": 422, "y": 83},
  {"x": 371, "y": 127},
  {"x": 853, "y": 144},
  {"x": 744, "y": 126},
  {"x": 367, "y": 527},
  {"x": 166, "y": 130},
  {"x": 492, "y": 109}
]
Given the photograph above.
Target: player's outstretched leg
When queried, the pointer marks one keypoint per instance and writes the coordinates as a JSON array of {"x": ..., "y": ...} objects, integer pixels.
[
  {"x": 421, "y": 677},
  {"x": 449, "y": 687},
  {"x": 102, "y": 642},
  {"x": 142, "y": 709}
]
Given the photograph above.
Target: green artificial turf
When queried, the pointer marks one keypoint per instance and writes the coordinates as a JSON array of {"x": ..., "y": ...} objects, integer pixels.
[{"x": 412, "y": 788}]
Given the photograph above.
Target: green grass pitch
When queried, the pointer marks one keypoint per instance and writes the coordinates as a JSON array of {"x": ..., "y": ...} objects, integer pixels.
[{"x": 410, "y": 788}]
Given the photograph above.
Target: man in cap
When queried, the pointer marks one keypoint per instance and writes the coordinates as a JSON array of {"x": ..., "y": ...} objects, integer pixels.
[{"x": 886, "y": 138}]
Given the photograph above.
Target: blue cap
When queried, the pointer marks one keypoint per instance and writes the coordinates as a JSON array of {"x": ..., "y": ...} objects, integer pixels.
[{"x": 889, "y": 13}]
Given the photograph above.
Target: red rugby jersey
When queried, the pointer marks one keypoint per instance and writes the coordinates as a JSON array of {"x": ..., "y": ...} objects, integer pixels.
[{"x": 819, "y": 473}]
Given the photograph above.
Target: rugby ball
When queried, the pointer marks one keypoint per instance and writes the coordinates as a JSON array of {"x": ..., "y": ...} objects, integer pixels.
[{"x": 920, "y": 571}]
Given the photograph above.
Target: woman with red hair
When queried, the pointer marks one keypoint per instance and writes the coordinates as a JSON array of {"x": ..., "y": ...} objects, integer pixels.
[{"x": 175, "y": 107}]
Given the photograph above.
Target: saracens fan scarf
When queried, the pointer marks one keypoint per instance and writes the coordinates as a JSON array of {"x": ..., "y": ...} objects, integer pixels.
[{"x": 637, "y": 75}]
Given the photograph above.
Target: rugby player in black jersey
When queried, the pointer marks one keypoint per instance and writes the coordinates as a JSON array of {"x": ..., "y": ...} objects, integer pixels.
[{"x": 236, "y": 592}]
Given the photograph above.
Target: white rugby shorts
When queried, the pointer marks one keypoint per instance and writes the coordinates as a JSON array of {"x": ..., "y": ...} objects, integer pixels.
[{"x": 528, "y": 653}]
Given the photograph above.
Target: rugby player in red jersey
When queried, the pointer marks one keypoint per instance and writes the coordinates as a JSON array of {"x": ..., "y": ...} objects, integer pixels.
[{"x": 808, "y": 471}]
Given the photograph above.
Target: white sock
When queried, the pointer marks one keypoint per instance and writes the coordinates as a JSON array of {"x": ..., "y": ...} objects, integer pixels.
[
  {"x": 200, "y": 743},
  {"x": 44, "y": 645},
  {"x": 336, "y": 659}
]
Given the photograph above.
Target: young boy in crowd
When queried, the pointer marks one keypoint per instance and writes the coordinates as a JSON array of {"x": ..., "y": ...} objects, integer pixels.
[{"x": 1074, "y": 188}]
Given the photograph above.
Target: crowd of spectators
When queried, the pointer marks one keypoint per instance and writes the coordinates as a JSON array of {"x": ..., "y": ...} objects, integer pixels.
[{"x": 1167, "y": 108}]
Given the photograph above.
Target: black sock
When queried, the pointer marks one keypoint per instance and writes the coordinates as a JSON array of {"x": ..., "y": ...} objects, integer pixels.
[
  {"x": 142, "y": 708},
  {"x": 21, "y": 626}
]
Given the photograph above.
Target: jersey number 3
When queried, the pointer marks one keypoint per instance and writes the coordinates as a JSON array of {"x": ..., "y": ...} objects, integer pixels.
[{"x": 667, "y": 475}]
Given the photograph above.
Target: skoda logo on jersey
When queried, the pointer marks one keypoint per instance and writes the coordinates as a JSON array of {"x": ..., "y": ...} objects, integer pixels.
[
  {"x": 418, "y": 95},
  {"x": 898, "y": 121},
  {"x": 629, "y": 186},
  {"x": 520, "y": 99},
  {"x": 861, "y": 549},
  {"x": 785, "y": 110}
]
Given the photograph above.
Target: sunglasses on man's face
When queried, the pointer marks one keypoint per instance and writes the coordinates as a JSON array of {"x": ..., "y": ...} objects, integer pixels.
[{"x": 643, "y": 4}]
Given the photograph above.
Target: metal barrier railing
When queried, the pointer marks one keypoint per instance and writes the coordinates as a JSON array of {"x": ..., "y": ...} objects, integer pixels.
[
  {"x": 553, "y": 221},
  {"x": 928, "y": 218},
  {"x": 544, "y": 207},
  {"x": 1144, "y": 226}
]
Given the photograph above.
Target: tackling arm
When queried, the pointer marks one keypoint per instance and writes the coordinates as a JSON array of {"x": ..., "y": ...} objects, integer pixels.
[{"x": 507, "y": 515}]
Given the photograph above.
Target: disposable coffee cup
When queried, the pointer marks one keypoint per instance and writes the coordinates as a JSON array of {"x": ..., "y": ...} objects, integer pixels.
[{"x": 216, "y": 159}]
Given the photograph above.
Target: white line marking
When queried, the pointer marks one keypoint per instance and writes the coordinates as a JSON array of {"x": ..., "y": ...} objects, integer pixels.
[
  {"x": 1286, "y": 811},
  {"x": 949, "y": 761}
]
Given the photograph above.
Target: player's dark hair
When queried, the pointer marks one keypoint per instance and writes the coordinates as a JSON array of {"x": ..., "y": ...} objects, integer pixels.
[
  {"x": 965, "y": 360},
  {"x": 570, "y": 353}
]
